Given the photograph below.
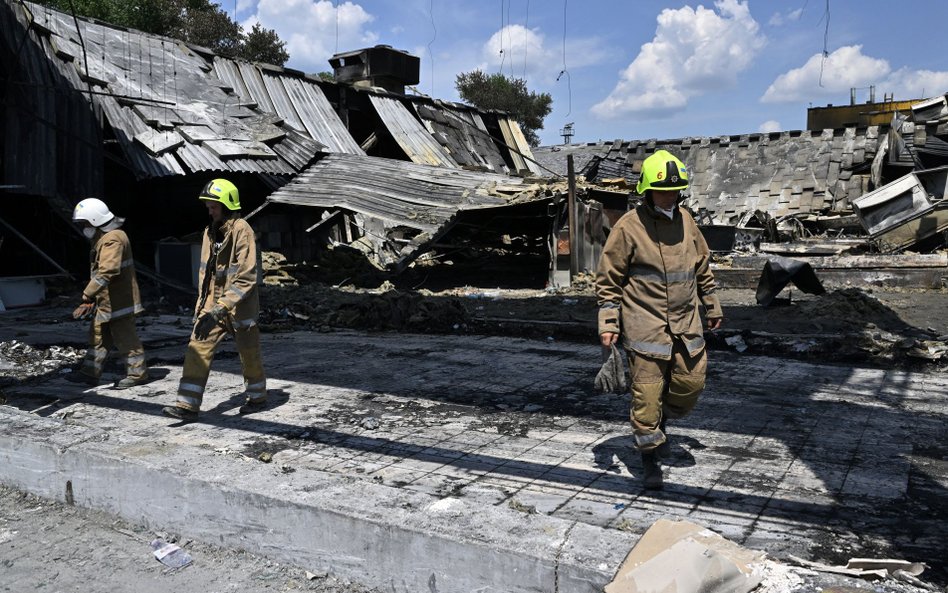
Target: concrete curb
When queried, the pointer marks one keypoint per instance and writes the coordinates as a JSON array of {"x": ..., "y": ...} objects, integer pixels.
[{"x": 385, "y": 537}]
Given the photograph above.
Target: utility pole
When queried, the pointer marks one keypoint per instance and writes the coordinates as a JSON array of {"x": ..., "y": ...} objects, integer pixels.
[{"x": 571, "y": 206}]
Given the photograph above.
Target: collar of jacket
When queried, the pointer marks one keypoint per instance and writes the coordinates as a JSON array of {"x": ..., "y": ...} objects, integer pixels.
[
  {"x": 224, "y": 228},
  {"x": 648, "y": 206}
]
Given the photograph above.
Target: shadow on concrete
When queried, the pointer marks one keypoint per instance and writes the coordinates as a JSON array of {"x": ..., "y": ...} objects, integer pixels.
[{"x": 761, "y": 400}]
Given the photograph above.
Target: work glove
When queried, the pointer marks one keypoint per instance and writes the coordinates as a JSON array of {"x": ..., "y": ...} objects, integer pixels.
[
  {"x": 84, "y": 311},
  {"x": 611, "y": 377},
  {"x": 207, "y": 322}
]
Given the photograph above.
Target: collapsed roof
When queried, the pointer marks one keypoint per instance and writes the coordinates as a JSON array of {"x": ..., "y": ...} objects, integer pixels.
[{"x": 412, "y": 206}]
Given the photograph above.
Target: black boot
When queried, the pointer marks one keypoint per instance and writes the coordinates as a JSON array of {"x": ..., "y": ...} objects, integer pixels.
[
  {"x": 664, "y": 450},
  {"x": 179, "y": 413},
  {"x": 652, "y": 471}
]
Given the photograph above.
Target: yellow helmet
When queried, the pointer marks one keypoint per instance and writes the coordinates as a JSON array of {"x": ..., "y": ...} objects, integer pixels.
[
  {"x": 223, "y": 191},
  {"x": 662, "y": 171}
]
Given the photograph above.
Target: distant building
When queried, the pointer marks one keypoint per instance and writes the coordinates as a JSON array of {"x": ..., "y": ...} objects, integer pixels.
[{"x": 857, "y": 115}]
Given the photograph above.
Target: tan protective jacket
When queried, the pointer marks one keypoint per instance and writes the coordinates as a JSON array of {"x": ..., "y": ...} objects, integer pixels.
[
  {"x": 112, "y": 283},
  {"x": 234, "y": 282},
  {"x": 653, "y": 274}
]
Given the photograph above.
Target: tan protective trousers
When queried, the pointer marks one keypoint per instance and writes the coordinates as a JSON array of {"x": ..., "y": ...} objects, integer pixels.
[
  {"x": 200, "y": 354},
  {"x": 119, "y": 334},
  {"x": 663, "y": 387}
]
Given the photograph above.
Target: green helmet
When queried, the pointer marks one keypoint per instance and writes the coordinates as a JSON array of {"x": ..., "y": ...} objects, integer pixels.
[
  {"x": 223, "y": 191},
  {"x": 662, "y": 171}
]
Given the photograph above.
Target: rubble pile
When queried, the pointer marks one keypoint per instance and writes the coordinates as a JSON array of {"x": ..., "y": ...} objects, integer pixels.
[
  {"x": 320, "y": 307},
  {"x": 19, "y": 361}
]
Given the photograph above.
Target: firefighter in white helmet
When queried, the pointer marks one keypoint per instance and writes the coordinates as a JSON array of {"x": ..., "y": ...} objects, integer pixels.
[
  {"x": 228, "y": 304},
  {"x": 111, "y": 297},
  {"x": 653, "y": 276}
]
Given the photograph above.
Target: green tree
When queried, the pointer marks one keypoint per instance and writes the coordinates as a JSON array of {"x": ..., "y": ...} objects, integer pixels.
[
  {"x": 496, "y": 91},
  {"x": 213, "y": 29},
  {"x": 264, "y": 45}
]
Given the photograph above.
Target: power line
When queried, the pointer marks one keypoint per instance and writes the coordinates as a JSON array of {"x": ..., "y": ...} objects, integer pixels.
[
  {"x": 502, "y": 56},
  {"x": 569, "y": 84},
  {"x": 825, "y": 41},
  {"x": 526, "y": 41},
  {"x": 433, "y": 37}
]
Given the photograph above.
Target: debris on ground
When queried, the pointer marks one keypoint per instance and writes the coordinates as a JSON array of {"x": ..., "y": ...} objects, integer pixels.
[{"x": 170, "y": 554}]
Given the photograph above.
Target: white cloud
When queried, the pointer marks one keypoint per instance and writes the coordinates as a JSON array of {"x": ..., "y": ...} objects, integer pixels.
[
  {"x": 526, "y": 54},
  {"x": 841, "y": 70},
  {"x": 243, "y": 5},
  {"x": 314, "y": 29},
  {"x": 847, "y": 68},
  {"x": 778, "y": 19},
  {"x": 695, "y": 50},
  {"x": 771, "y": 125},
  {"x": 915, "y": 84}
]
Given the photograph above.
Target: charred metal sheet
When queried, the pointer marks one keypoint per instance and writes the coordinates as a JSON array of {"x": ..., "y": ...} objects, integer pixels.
[
  {"x": 780, "y": 271},
  {"x": 196, "y": 159},
  {"x": 297, "y": 150},
  {"x": 126, "y": 125},
  {"x": 253, "y": 79},
  {"x": 420, "y": 202},
  {"x": 156, "y": 142},
  {"x": 150, "y": 86},
  {"x": 931, "y": 109},
  {"x": 906, "y": 211},
  {"x": 892, "y": 204},
  {"x": 514, "y": 138},
  {"x": 281, "y": 101},
  {"x": 410, "y": 134},
  {"x": 50, "y": 138},
  {"x": 463, "y": 134},
  {"x": 319, "y": 118}
]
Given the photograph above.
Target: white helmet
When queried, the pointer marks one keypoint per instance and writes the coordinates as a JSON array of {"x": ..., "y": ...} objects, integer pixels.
[{"x": 94, "y": 211}]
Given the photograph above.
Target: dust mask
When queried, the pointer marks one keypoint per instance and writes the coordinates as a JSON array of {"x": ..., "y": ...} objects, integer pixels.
[{"x": 88, "y": 232}]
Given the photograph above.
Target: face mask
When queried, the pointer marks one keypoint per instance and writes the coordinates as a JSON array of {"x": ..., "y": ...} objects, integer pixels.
[{"x": 88, "y": 232}]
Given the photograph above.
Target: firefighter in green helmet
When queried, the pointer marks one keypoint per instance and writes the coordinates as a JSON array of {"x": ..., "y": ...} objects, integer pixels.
[
  {"x": 228, "y": 304},
  {"x": 652, "y": 281}
]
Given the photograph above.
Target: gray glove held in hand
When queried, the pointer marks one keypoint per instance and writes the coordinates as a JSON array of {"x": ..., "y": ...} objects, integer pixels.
[{"x": 207, "y": 322}]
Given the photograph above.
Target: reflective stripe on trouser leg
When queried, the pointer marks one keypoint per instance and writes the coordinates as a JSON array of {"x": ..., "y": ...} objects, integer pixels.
[
  {"x": 98, "y": 351},
  {"x": 197, "y": 367},
  {"x": 686, "y": 382},
  {"x": 129, "y": 346},
  {"x": 648, "y": 385},
  {"x": 251, "y": 359}
]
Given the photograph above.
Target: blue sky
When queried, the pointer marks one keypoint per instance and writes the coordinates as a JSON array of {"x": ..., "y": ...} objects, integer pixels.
[{"x": 638, "y": 69}]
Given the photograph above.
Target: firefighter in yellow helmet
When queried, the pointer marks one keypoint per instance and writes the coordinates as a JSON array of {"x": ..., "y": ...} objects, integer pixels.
[
  {"x": 228, "y": 304},
  {"x": 110, "y": 298},
  {"x": 652, "y": 280}
]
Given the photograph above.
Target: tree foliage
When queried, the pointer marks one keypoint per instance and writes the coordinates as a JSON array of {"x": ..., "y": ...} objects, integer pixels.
[
  {"x": 200, "y": 22},
  {"x": 496, "y": 91},
  {"x": 264, "y": 45}
]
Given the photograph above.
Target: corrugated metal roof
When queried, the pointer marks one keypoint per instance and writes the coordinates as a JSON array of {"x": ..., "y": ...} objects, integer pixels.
[
  {"x": 462, "y": 133},
  {"x": 53, "y": 140},
  {"x": 300, "y": 102},
  {"x": 416, "y": 196},
  {"x": 319, "y": 118},
  {"x": 126, "y": 125},
  {"x": 147, "y": 82},
  {"x": 514, "y": 138},
  {"x": 410, "y": 135}
]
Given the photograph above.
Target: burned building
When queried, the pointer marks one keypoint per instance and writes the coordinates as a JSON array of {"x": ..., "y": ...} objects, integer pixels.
[{"x": 144, "y": 121}]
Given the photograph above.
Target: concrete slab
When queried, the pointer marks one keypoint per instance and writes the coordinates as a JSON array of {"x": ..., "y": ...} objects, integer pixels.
[{"x": 494, "y": 466}]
